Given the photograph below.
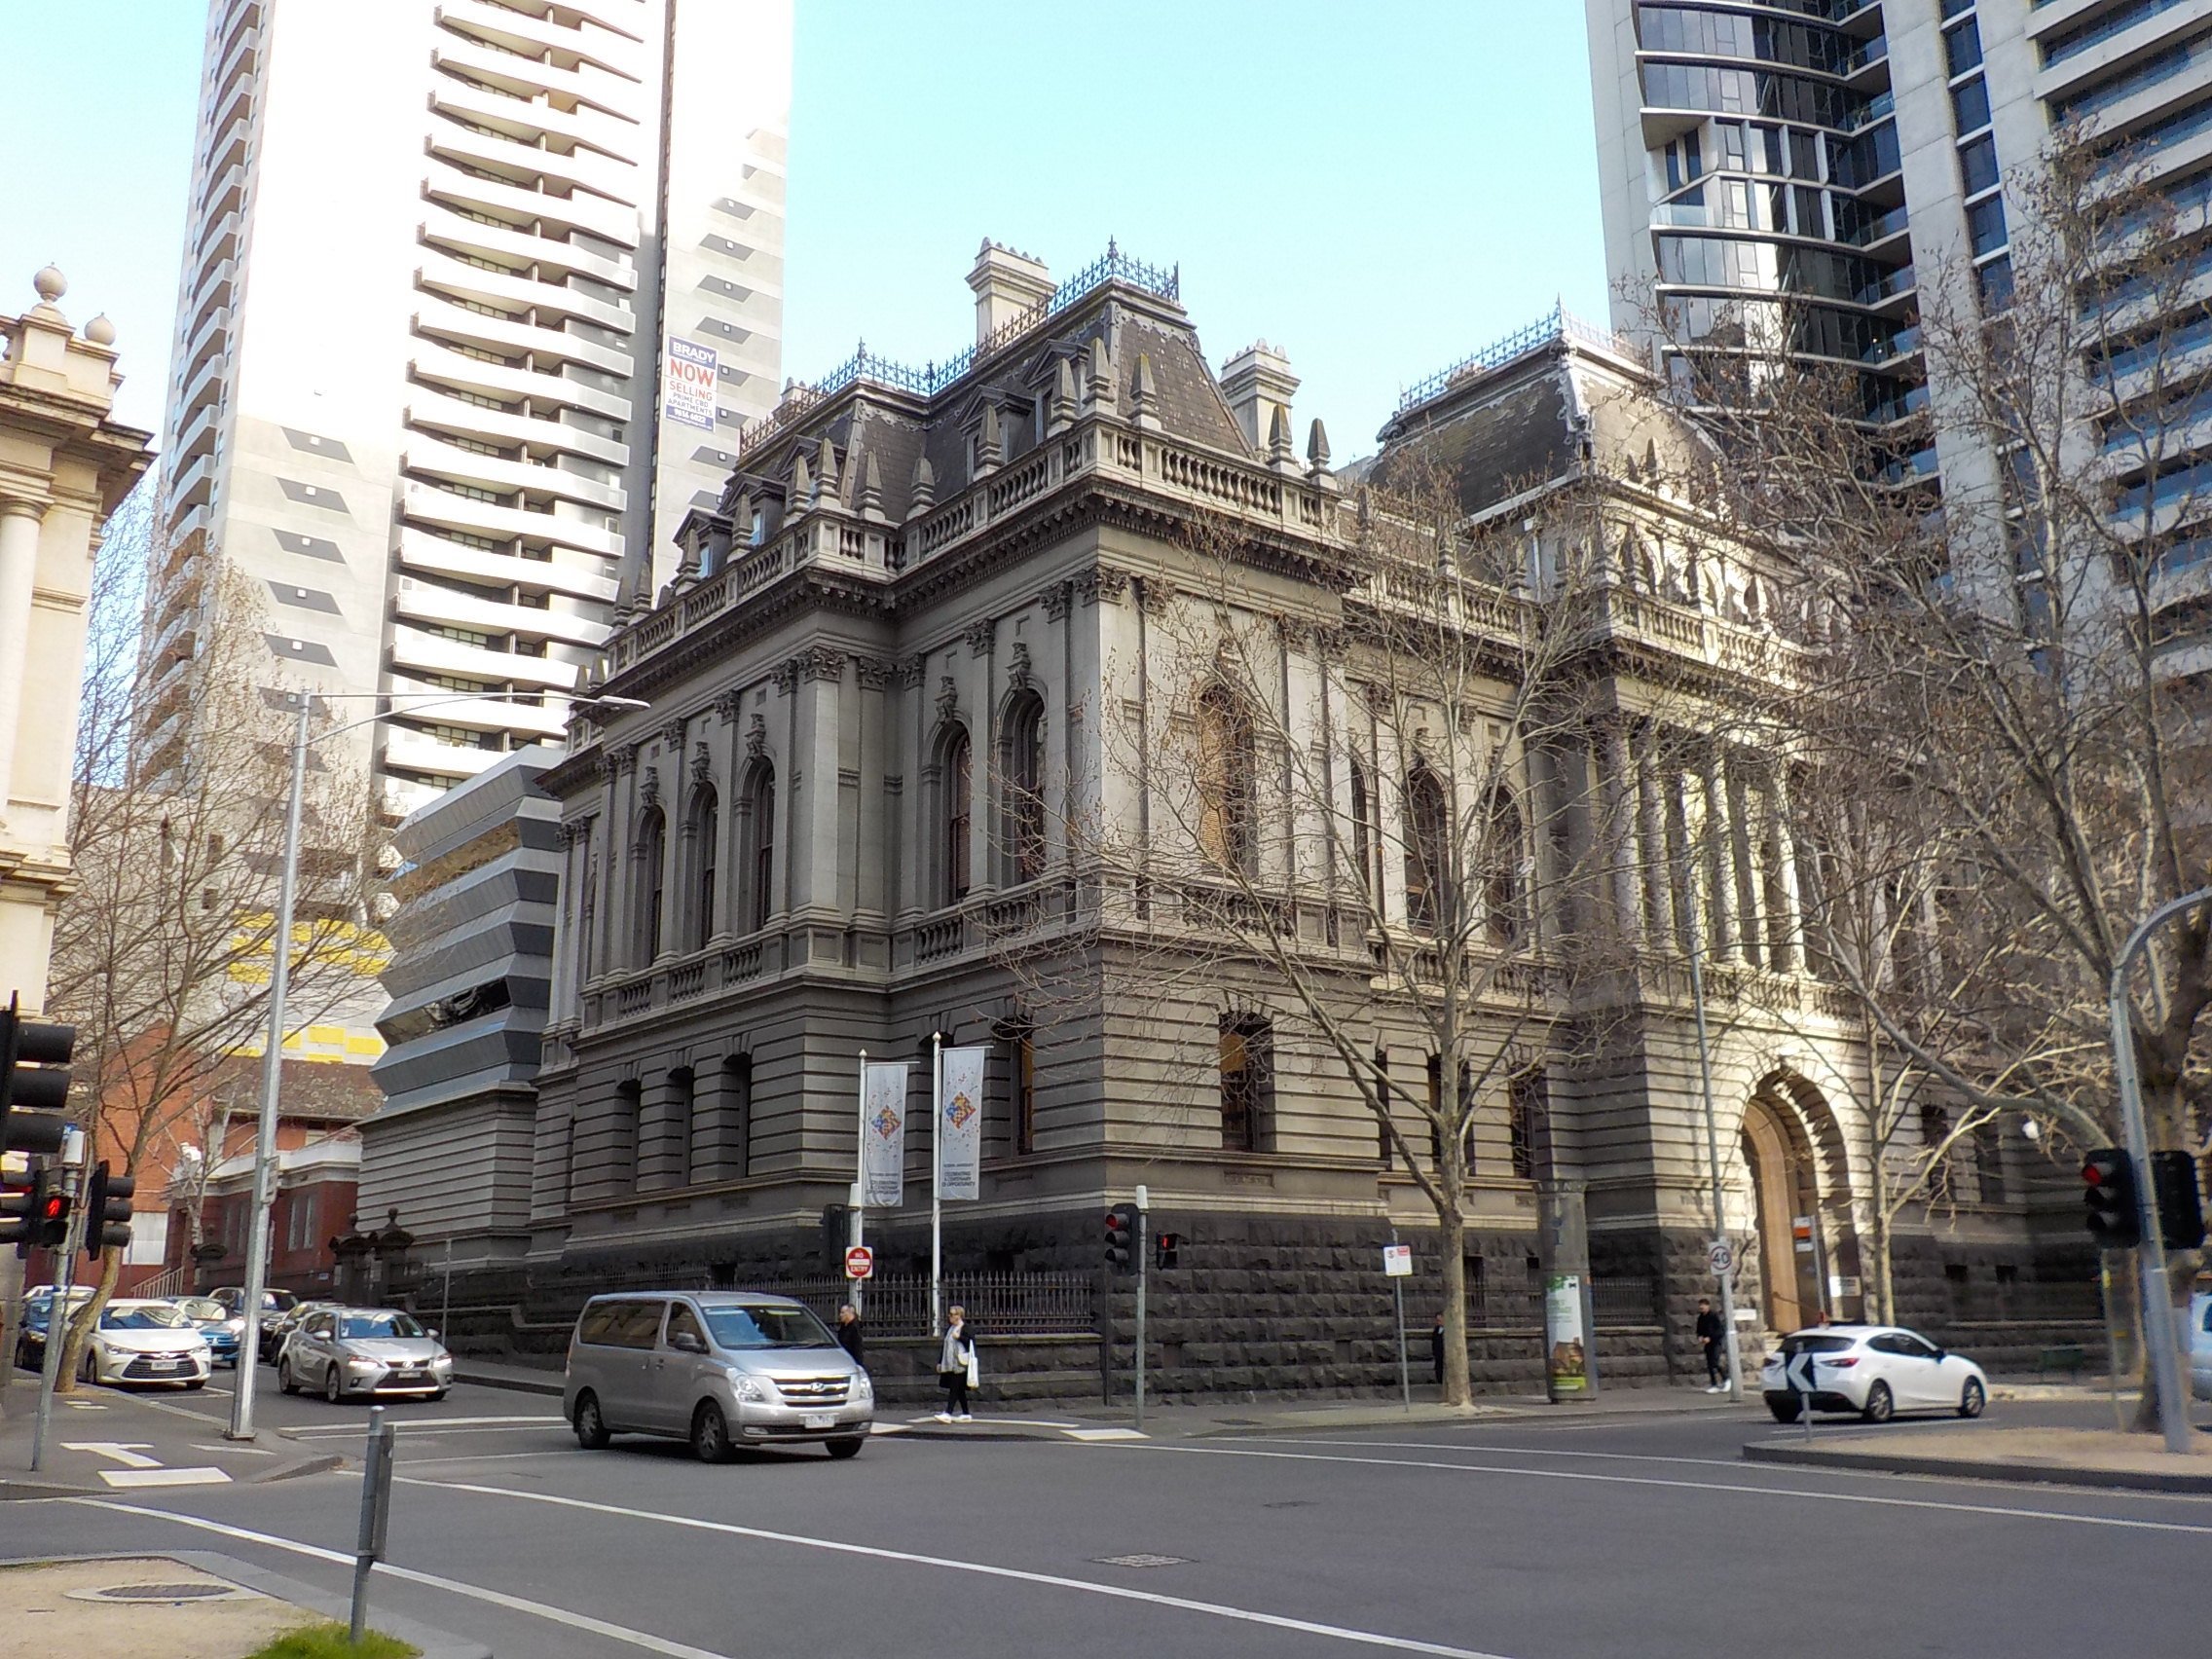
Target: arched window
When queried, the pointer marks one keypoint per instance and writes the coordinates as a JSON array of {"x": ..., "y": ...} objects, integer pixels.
[
  {"x": 706, "y": 834},
  {"x": 1226, "y": 771},
  {"x": 1502, "y": 859},
  {"x": 651, "y": 853},
  {"x": 956, "y": 777},
  {"x": 1023, "y": 772},
  {"x": 759, "y": 846},
  {"x": 1363, "y": 837},
  {"x": 1427, "y": 873}
]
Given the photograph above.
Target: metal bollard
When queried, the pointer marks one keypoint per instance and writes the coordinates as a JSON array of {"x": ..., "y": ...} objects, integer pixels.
[{"x": 376, "y": 1515}]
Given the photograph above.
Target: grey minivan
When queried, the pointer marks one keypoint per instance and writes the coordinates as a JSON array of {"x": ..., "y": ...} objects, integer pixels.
[{"x": 720, "y": 1369}]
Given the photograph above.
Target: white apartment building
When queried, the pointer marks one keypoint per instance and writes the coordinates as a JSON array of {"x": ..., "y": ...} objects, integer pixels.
[
  {"x": 476, "y": 296},
  {"x": 1836, "y": 151}
]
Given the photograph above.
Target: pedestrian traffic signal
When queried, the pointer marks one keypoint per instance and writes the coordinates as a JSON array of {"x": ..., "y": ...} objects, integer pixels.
[
  {"x": 1121, "y": 1238},
  {"x": 2181, "y": 1211},
  {"x": 107, "y": 1211},
  {"x": 2115, "y": 1223},
  {"x": 1164, "y": 1249},
  {"x": 34, "y": 1081},
  {"x": 37, "y": 1216}
]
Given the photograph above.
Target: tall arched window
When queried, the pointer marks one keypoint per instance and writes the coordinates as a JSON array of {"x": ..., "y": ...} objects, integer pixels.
[
  {"x": 705, "y": 831},
  {"x": 759, "y": 846},
  {"x": 1363, "y": 837},
  {"x": 1427, "y": 869},
  {"x": 1023, "y": 772},
  {"x": 651, "y": 853},
  {"x": 1502, "y": 858},
  {"x": 1226, "y": 771},
  {"x": 956, "y": 778}
]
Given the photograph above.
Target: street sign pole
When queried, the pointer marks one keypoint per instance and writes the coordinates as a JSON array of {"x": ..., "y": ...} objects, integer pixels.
[
  {"x": 936, "y": 1182},
  {"x": 376, "y": 1516},
  {"x": 859, "y": 1235},
  {"x": 1143, "y": 1197},
  {"x": 57, "y": 1312},
  {"x": 1398, "y": 1302}
]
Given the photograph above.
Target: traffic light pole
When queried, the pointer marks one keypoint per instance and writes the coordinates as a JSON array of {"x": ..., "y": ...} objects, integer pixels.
[
  {"x": 2158, "y": 1324},
  {"x": 1143, "y": 1266},
  {"x": 58, "y": 1315}
]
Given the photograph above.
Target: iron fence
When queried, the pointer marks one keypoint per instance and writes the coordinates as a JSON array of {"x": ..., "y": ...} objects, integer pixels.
[{"x": 1000, "y": 1304}]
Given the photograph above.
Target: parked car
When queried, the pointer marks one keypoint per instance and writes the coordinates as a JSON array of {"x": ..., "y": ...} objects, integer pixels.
[
  {"x": 363, "y": 1351},
  {"x": 1874, "y": 1370},
  {"x": 274, "y": 1305},
  {"x": 720, "y": 1369},
  {"x": 38, "y": 1309},
  {"x": 145, "y": 1341},
  {"x": 222, "y": 1328},
  {"x": 2200, "y": 1345},
  {"x": 276, "y": 1334}
]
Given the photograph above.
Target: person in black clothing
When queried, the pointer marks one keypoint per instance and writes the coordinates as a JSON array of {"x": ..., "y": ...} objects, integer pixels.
[
  {"x": 850, "y": 1336},
  {"x": 1436, "y": 1350},
  {"x": 1712, "y": 1335}
]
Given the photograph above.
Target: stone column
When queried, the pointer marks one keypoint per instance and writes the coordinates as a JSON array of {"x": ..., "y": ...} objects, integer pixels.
[
  {"x": 1749, "y": 808},
  {"x": 1789, "y": 941},
  {"x": 1717, "y": 859},
  {"x": 729, "y": 887},
  {"x": 816, "y": 883},
  {"x": 1658, "y": 871},
  {"x": 1617, "y": 797},
  {"x": 710, "y": 1101},
  {"x": 982, "y": 761},
  {"x": 18, "y": 570},
  {"x": 664, "y": 1131}
]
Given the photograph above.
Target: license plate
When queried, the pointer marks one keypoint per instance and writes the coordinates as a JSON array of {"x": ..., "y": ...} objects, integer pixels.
[
  {"x": 407, "y": 1376},
  {"x": 165, "y": 1364},
  {"x": 821, "y": 1419}
]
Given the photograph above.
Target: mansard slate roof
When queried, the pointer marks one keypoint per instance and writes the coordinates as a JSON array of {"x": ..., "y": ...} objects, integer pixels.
[{"x": 1559, "y": 400}]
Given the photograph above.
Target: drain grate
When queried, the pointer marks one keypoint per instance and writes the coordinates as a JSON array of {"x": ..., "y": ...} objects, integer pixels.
[
  {"x": 200, "y": 1592},
  {"x": 1290, "y": 1503},
  {"x": 1142, "y": 1561}
]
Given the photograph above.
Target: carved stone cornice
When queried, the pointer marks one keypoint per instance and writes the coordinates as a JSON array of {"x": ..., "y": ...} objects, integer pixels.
[
  {"x": 787, "y": 675},
  {"x": 916, "y": 670},
  {"x": 873, "y": 673},
  {"x": 821, "y": 663},
  {"x": 728, "y": 706},
  {"x": 979, "y": 636},
  {"x": 1055, "y": 602}
]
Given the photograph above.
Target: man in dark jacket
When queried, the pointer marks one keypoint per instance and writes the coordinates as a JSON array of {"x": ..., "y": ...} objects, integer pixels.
[
  {"x": 850, "y": 1336},
  {"x": 1436, "y": 1350},
  {"x": 1713, "y": 1336}
]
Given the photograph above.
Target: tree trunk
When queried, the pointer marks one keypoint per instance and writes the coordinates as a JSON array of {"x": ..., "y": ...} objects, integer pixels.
[
  {"x": 1451, "y": 1232},
  {"x": 80, "y": 1326},
  {"x": 2180, "y": 1275}
]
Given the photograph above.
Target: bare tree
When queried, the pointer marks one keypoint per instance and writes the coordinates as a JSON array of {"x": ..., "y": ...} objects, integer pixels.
[
  {"x": 2017, "y": 657},
  {"x": 162, "y": 951}
]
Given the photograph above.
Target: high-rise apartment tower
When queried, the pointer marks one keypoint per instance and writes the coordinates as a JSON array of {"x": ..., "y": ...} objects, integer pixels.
[{"x": 476, "y": 295}]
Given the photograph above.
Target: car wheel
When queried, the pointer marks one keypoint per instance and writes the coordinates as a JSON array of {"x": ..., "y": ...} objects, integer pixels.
[
  {"x": 285, "y": 1381},
  {"x": 196, "y": 1382},
  {"x": 710, "y": 1433},
  {"x": 590, "y": 1426},
  {"x": 847, "y": 1448},
  {"x": 1785, "y": 1411},
  {"x": 1973, "y": 1398},
  {"x": 439, "y": 1395},
  {"x": 1881, "y": 1405},
  {"x": 333, "y": 1390},
  {"x": 87, "y": 1368}
]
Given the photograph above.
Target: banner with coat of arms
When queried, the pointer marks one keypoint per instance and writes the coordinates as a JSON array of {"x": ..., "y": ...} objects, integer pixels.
[
  {"x": 960, "y": 1124},
  {"x": 883, "y": 1134}
]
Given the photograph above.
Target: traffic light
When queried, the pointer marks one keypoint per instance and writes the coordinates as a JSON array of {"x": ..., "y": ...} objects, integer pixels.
[
  {"x": 1121, "y": 1238},
  {"x": 1164, "y": 1249},
  {"x": 19, "y": 1214},
  {"x": 2180, "y": 1212},
  {"x": 2115, "y": 1223},
  {"x": 34, "y": 1081},
  {"x": 107, "y": 1211}
]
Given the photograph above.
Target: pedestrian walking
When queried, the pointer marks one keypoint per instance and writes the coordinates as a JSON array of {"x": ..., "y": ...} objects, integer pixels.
[
  {"x": 956, "y": 1367},
  {"x": 1713, "y": 1334},
  {"x": 1436, "y": 1350},
  {"x": 850, "y": 1336}
]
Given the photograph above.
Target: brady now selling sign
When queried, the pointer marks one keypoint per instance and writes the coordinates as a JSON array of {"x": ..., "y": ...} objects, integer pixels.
[{"x": 687, "y": 379}]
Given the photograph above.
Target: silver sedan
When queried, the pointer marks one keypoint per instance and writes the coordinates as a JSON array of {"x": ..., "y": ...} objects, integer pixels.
[{"x": 358, "y": 1352}]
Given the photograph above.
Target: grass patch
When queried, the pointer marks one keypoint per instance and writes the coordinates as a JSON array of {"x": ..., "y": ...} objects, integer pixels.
[{"x": 328, "y": 1642}]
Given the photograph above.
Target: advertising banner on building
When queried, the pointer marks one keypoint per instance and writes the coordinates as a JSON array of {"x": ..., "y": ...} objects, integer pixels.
[
  {"x": 687, "y": 380},
  {"x": 960, "y": 1124},
  {"x": 883, "y": 1133},
  {"x": 1566, "y": 1343}
]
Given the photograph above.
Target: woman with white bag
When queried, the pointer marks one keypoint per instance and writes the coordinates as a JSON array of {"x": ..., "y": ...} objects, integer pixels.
[{"x": 956, "y": 1367}]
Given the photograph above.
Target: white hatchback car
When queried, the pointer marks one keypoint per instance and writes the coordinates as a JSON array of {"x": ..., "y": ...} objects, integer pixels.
[
  {"x": 1874, "y": 1370},
  {"x": 146, "y": 1341},
  {"x": 2200, "y": 1345}
]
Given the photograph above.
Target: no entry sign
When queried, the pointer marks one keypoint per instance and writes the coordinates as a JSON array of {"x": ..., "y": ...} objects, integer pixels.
[{"x": 860, "y": 1263}]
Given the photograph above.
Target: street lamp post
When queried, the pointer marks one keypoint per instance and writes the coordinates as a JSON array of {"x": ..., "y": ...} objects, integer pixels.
[
  {"x": 2171, "y": 1386},
  {"x": 279, "y": 982}
]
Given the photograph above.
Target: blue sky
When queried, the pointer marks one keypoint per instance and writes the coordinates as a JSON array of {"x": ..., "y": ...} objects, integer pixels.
[{"x": 1376, "y": 186}]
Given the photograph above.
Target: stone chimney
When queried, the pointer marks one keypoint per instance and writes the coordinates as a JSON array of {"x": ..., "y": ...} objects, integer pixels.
[
  {"x": 1258, "y": 382},
  {"x": 1006, "y": 284}
]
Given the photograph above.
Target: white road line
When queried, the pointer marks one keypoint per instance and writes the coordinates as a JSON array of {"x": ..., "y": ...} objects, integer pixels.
[
  {"x": 984, "y": 1570},
  {"x": 1689, "y": 1486},
  {"x": 485, "y": 1458},
  {"x": 1736, "y": 1463},
  {"x": 130, "y": 1453},
  {"x": 164, "y": 1477},
  {"x": 1107, "y": 1434},
  {"x": 474, "y": 1592}
]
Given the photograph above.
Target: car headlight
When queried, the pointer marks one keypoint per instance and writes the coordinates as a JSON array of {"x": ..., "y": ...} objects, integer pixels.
[
  {"x": 862, "y": 1389},
  {"x": 363, "y": 1365},
  {"x": 443, "y": 1362},
  {"x": 746, "y": 1387}
]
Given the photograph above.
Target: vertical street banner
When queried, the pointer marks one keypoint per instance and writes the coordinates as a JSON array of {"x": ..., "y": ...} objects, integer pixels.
[
  {"x": 960, "y": 1131},
  {"x": 688, "y": 376},
  {"x": 1566, "y": 1343},
  {"x": 883, "y": 1133}
]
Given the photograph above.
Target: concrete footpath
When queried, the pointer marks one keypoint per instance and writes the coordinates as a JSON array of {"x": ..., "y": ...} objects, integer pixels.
[
  {"x": 1988, "y": 1451},
  {"x": 183, "y": 1605},
  {"x": 106, "y": 1440}
]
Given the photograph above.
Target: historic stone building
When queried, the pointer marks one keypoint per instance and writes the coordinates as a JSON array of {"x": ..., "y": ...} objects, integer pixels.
[{"x": 905, "y": 688}]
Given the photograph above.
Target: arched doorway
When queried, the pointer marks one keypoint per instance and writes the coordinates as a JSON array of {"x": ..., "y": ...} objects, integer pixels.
[{"x": 1782, "y": 1189}]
